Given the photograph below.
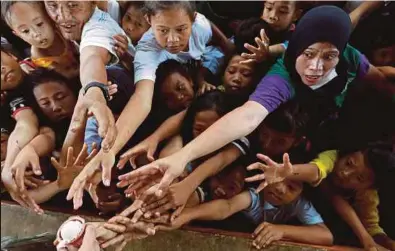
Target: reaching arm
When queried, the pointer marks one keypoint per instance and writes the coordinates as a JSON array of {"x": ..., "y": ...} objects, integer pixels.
[
  {"x": 45, "y": 192},
  {"x": 170, "y": 127},
  {"x": 93, "y": 65},
  {"x": 220, "y": 39},
  {"x": 364, "y": 9},
  {"x": 234, "y": 125},
  {"x": 317, "y": 234},
  {"x": 26, "y": 129}
]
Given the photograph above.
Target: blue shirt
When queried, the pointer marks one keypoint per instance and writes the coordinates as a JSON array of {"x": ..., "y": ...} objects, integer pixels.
[{"x": 300, "y": 208}]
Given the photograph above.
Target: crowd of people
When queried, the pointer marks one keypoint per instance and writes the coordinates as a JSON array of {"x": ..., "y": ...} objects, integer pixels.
[{"x": 275, "y": 118}]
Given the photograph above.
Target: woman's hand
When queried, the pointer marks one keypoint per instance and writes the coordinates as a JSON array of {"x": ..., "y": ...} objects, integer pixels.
[
  {"x": 260, "y": 53},
  {"x": 147, "y": 146},
  {"x": 272, "y": 172}
]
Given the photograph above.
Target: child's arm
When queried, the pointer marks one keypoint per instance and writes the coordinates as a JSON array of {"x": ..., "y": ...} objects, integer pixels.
[
  {"x": 313, "y": 172},
  {"x": 213, "y": 210},
  {"x": 218, "y": 38},
  {"x": 364, "y": 9},
  {"x": 166, "y": 130}
]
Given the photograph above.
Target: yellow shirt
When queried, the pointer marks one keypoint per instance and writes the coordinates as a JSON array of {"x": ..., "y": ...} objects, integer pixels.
[{"x": 325, "y": 163}]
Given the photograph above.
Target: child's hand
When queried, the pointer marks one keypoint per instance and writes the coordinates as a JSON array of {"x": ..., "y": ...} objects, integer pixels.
[
  {"x": 147, "y": 146},
  {"x": 272, "y": 172},
  {"x": 174, "y": 224},
  {"x": 120, "y": 45},
  {"x": 266, "y": 233},
  {"x": 73, "y": 165},
  {"x": 32, "y": 182},
  {"x": 205, "y": 87},
  {"x": 111, "y": 205},
  {"x": 258, "y": 54}
]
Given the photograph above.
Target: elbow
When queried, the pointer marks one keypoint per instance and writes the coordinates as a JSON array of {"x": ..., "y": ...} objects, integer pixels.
[{"x": 325, "y": 238}]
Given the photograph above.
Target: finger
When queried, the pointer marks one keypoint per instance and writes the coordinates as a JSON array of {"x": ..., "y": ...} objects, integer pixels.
[
  {"x": 135, "y": 206},
  {"x": 119, "y": 219},
  {"x": 268, "y": 240},
  {"x": 93, "y": 194},
  {"x": 262, "y": 186},
  {"x": 32, "y": 204},
  {"x": 145, "y": 228},
  {"x": 177, "y": 213},
  {"x": 165, "y": 183},
  {"x": 255, "y": 166},
  {"x": 256, "y": 177},
  {"x": 264, "y": 37},
  {"x": 111, "y": 134},
  {"x": 137, "y": 216},
  {"x": 93, "y": 153},
  {"x": 266, "y": 159},
  {"x": 121, "y": 246},
  {"x": 259, "y": 228},
  {"x": 107, "y": 165},
  {"x": 70, "y": 157},
  {"x": 150, "y": 154},
  {"x": 249, "y": 61},
  {"x": 287, "y": 161},
  {"x": 156, "y": 204},
  {"x": 115, "y": 227},
  {"x": 163, "y": 208},
  {"x": 35, "y": 164},
  {"x": 147, "y": 170},
  {"x": 20, "y": 178},
  {"x": 118, "y": 239},
  {"x": 248, "y": 56},
  {"x": 56, "y": 164},
  {"x": 261, "y": 45},
  {"x": 77, "y": 200},
  {"x": 252, "y": 49},
  {"x": 163, "y": 228},
  {"x": 132, "y": 162},
  {"x": 30, "y": 184},
  {"x": 38, "y": 182},
  {"x": 83, "y": 154},
  {"x": 121, "y": 163}
]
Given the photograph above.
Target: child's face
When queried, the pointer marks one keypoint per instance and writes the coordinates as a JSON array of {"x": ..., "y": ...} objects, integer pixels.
[
  {"x": 203, "y": 120},
  {"x": 172, "y": 29},
  {"x": 282, "y": 193},
  {"x": 70, "y": 16},
  {"x": 4, "y": 143},
  {"x": 238, "y": 77},
  {"x": 177, "y": 91},
  {"x": 316, "y": 62},
  {"x": 30, "y": 22},
  {"x": 231, "y": 183},
  {"x": 11, "y": 72},
  {"x": 351, "y": 172},
  {"x": 384, "y": 56},
  {"x": 274, "y": 143},
  {"x": 134, "y": 24},
  {"x": 279, "y": 14},
  {"x": 55, "y": 100}
]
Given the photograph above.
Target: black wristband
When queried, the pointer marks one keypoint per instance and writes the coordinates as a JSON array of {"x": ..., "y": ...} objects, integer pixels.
[{"x": 103, "y": 88}]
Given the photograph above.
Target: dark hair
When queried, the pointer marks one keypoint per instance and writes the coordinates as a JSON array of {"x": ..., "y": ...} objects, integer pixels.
[
  {"x": 380, "y": 157},
  {"x": 249, "y": 29},
  {"x": 6, "y": 6},
  {"x": 43, "y": 75},
  {"x": 153, "y": 7},
  {"x": 289, "y": 117},
  {"x": 6, "y": 47},
  {"x": 139, "y": 5},
  {"x": 213, "y": 100},
  {"x": 163, "y": 71}
]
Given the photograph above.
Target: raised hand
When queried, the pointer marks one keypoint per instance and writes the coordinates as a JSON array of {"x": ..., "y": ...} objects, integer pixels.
[
  {"x": 272, "y": 172},
  {"x": 258, "y": 54},
  {"x": 147, "y": 146}
]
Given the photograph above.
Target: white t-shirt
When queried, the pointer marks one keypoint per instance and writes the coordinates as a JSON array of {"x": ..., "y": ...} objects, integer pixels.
[
  {"x": 99, "y": 31},
  {"x": 114, "y": 10},
  {"x": 149, "y": 54}
]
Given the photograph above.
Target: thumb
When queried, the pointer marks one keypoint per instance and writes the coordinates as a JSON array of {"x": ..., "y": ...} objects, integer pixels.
[
  {"x": 287, "y": 162},
  {"x": 35, "y": 163},
  {"x": 150, "y": 155},
  {"x": 164, "y": 183},
  {"x": 177, "y": 213}
]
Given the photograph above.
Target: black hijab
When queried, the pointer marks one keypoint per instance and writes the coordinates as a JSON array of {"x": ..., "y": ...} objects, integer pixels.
[{"x": 321, "y": 24}]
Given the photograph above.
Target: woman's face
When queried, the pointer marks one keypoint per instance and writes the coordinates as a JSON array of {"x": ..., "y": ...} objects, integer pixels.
[
  {"x": 30, "y": 22},
  {"x": 203, "y": 120},
  {"x": 177, "y": 91},
  {"x": 11, "y": 72},
  {"x": 316, "y": 62},
  {"x": 56, "y": 100},
  {"x": 172, "y": 29},
  {"x": 351, "y": 172},
  {"x": 134, "y": 24},
  {"x": 238, "y": 77}
]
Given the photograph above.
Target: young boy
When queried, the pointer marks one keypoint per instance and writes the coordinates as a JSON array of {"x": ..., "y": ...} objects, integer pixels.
[{"x": 272, "y": 208}]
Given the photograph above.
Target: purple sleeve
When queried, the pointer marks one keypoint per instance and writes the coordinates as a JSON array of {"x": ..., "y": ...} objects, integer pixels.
[
  {"x": 364, "y": 66},
  {"x": 272, "y": 91}
]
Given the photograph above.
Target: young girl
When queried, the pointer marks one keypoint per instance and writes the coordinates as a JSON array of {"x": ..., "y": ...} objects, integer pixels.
[
  {"x": 49, "y": 49},
  {"x": 352, "y": 172}
]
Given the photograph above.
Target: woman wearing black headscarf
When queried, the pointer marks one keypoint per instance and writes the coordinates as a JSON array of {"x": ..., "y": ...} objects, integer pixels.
[{"x": 317, "y": 61}]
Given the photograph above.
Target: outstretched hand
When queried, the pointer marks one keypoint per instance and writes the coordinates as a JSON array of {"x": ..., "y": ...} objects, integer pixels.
[
  {"x": 147, "y": 146},
  {"x": 273, "y": 172},
  {"x": 260, "y": 53}
]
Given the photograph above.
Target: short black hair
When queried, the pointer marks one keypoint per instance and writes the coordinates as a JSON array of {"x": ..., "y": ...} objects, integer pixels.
[
  {"x": 43, "y": 75},
  {"x": 140, "y": 5},
  {"x": 249, "y": 29},
  {"x": 153, "y": 7},
  {"x": 214, "y": 100},
  {"x": 6, "y": 47},
  {"x": 166, "y": 68},
  {"x": 6, "y": 6},
  {"x": 289, "y": 117}
]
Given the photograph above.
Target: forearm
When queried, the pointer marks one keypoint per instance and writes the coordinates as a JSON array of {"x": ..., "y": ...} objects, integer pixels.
[
  {"x": 170, "y": 127},
  {"x": 139, "y": 105},
  {"x": 234, "y": 125},
  {"x": 367, "y": 7},
  {"x": 315, "y": 234},
  {"x": 305, "y": 173},
  {"x": 384, "y": 241},
  {"x": 44, "y": 143},
  {"x": 92, "y": 69},
  {"x": 212, "y": 166},
  {"x": 213, "y": 210},
  {"x": 22, "y": 134},
  {"x": 45, "y": 192},
  {"x": 276, "y": 50},
  {"x": 349, "y": 215}
]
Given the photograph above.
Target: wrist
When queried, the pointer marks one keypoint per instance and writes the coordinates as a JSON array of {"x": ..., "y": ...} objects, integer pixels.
[{"x": 96, "y": 94}]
